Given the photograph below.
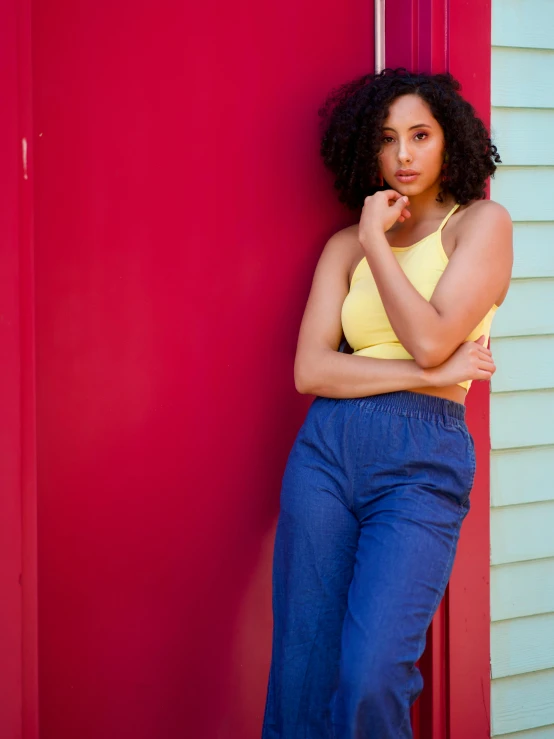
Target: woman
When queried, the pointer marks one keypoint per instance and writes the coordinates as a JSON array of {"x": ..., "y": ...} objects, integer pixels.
[{"x": 377, "y": 483}]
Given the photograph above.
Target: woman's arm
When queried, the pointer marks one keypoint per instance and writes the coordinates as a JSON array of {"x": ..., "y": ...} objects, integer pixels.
[
  {"x": 477, "y": 272},
  {"x": 319, "y": 369}
]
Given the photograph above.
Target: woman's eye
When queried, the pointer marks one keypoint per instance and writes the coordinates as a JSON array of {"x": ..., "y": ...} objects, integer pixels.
[{"x": 389, "y": 139}]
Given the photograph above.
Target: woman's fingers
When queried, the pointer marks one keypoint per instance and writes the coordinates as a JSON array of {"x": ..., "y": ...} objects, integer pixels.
[
  {"x": 485, "y": 375},
  {"x": 392, "y": 194},
  {"x": 486, "y": 370},
  {"x": 485, "y": 356},
  {"x": 484, "y": 352},
  {"x": 488, "y": 366}
]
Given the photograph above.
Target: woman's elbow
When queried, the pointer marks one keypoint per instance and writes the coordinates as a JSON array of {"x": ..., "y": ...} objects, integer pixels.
[
  {"x": 303, "y": 380},
  {"x": 306, "y": 376},
  {"x": 428, "y": 356},
  {"x": 301, "y": 384}
]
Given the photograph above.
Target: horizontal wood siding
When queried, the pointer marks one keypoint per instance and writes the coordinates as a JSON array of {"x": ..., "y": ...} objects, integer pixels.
[
  {"x": 522, "y": 401},
  {"x": 522, "y": 419},
  {"x": 533, "y": 249},
  {"x": 510, "y": 130},
  {"x": 522, "y": 475},
  {"x": 527, "y": 310},
  {"x": 523, "y": 700},
  {"x": 526, "y": 191},
  {"x": 522, "y": 589},
  {"x": 523, "y": 23},
  {"x": 524, "y": 363},
  {"x": 522, "y": 645},
  {"x": 522, "y": 532},
  {"x": 522, "y": 78},
  {"x": 543, "y": 732}
]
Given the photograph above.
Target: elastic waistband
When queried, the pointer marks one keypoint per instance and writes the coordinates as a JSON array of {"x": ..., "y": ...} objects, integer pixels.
[{"x": 417, "y": 405}]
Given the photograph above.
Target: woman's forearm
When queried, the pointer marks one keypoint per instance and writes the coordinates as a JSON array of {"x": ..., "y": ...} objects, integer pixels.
[
  {"x": 332, "y": 374},
  {"x": 414, "y": 320}
]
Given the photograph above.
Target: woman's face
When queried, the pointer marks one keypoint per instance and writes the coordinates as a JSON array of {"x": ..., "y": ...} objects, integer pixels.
[{"x": 413, "y": 141}]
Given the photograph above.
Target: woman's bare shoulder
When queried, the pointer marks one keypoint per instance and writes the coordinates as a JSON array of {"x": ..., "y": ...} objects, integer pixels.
[
  {"x": 344, "y": 245},
  {"x": 485, "y": 236},
  {"x": 479, "y": 210},
  {"x": 478, "y": 222},
  {"x": 346, "y": 237},
  {"x": 342, "y": 251}
]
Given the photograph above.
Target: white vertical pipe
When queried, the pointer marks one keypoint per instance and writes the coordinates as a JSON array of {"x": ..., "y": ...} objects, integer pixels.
[{"x": 379, "y": 35}]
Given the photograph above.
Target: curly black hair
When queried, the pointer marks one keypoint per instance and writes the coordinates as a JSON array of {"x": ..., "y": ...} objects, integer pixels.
[{"x": 353, "y": 116}]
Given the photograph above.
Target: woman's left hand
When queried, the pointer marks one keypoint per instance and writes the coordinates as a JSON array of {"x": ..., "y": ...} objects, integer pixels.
[{"x": 380, "y": 212}]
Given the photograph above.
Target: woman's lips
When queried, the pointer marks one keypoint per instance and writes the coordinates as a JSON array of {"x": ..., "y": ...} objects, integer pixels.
[{"x": 406, "y": 177}]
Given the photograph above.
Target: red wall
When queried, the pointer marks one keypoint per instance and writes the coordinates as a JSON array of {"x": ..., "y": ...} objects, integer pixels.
[
  {"x": 180, "y": 210},
  {"x": 18, "y": 577},
  {"x": 10, "y": 384}
]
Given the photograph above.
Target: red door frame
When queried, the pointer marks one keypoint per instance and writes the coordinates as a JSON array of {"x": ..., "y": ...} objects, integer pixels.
[
  {"x": 432, "y": 36},
  {"x": 18, "y": 531}
]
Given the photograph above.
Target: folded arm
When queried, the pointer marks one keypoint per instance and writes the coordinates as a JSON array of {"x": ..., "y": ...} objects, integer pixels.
[
  {"x": 319, "y": 369},
  {"x": 477, "y": 272}
]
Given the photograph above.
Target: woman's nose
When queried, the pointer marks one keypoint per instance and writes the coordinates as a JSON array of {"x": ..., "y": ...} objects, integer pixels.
[{"x": 404, "y": 154}]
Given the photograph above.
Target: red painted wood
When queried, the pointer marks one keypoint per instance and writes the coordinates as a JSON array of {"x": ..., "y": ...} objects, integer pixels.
[
  {"x": 417, "y": 34},
  {"x": 469, "y": 593},
  {"x": 433, "y": 36},
  {"x": 118, "y": 226},
  {"x": 18, "y": 587},
  {"x": 180, "y": 209},
  {"x": 433, "y": 701},
  {"x": 10, "y": 386},
  {"x": 29, "y": 565}
]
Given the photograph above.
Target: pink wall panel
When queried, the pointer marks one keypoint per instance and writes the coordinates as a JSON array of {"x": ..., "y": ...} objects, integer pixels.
[{"x": 180, "y": 209}]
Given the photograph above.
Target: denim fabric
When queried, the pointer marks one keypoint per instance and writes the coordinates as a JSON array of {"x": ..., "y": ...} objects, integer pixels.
[{"x": 373, "y": 498}]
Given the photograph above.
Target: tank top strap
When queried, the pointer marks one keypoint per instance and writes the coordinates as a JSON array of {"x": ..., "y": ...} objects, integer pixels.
[{"x": 443, "y": 224}]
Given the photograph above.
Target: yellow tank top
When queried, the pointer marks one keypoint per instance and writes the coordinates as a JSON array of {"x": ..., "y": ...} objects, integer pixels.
[{"x": 364, "y": 320}]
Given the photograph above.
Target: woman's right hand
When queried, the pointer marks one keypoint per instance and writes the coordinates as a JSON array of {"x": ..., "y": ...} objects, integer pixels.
[{"x": 471, "y": 361}]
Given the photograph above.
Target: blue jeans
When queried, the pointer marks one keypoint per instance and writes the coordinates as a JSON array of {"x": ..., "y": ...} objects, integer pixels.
[{"x": 373, "y": 498}]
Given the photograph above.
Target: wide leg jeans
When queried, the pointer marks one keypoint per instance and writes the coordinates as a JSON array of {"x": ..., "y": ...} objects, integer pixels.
[{"x": 373, "y": 498}]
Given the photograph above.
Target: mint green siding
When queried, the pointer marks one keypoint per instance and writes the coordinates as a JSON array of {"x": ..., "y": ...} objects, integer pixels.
[{"x": 522, "y": 401}]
